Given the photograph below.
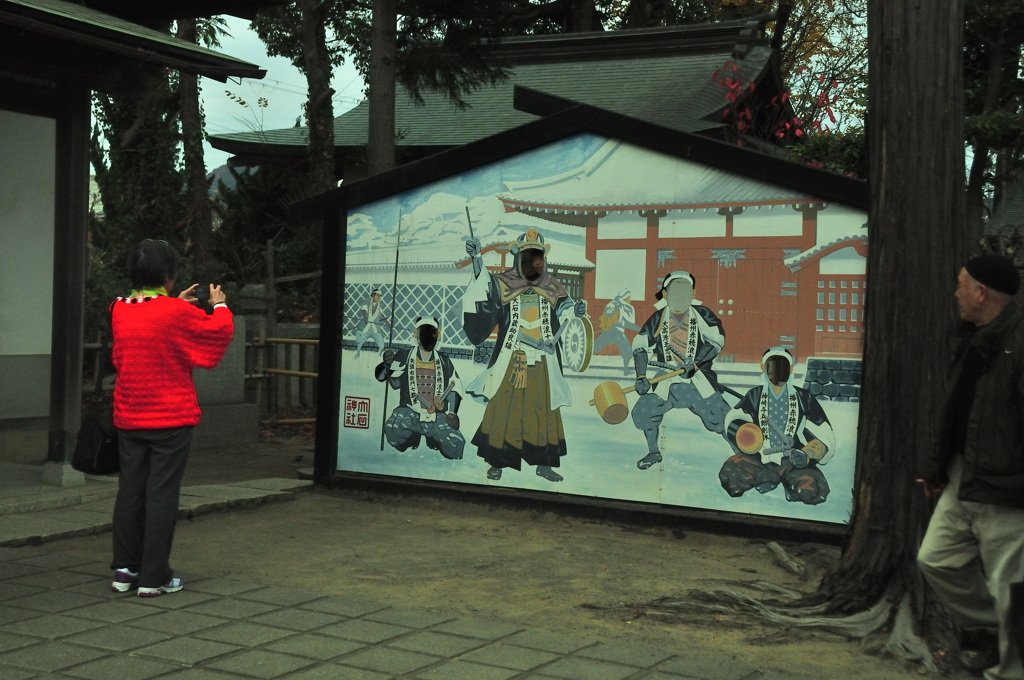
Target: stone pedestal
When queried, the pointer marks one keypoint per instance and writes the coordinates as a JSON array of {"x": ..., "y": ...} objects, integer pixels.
[
  {"x": 227, "y": 419},
  {"x": 62, "y": 475}
]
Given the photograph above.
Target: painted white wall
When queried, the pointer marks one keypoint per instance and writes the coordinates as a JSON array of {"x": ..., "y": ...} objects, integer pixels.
[
  {"x": 618, "y": 270},
  {"x": 27, "y": 148},
  {"x": 843, "y": 262},
  {"x": 692, "y": 223},
  {"x": 839, "y": 221},
  {"x": 769, "y": 221},
  {"x": 622, "y": 225},
  {"x": 835, "y": 222}
]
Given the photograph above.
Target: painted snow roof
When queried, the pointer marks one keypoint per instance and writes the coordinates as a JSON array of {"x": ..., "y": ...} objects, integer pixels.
[
  {"x": 434, "y": 256},
  {"x": 799, "y": 261},
  {"x": 642, "y": 179}
]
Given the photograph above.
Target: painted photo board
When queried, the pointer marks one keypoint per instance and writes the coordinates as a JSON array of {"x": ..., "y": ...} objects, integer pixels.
[{"x": 599, "y": 319}]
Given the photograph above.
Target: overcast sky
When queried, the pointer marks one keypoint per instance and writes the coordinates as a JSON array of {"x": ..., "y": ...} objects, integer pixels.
[{"x": 284, "y": 88}]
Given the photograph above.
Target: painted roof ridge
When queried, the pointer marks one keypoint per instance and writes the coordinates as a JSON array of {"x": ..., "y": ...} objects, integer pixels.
[{"x": 814, "y": 250}]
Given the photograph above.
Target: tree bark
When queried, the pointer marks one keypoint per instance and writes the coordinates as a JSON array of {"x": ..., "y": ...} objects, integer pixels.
[
  {"x": 645, "y": 13},
  {"x": 319, "y": 106},
  {"x": 383, "y": 56},
  {"x": 581, "y": 17},
  {"x": 917, "y": 245},
  {"x": 198, "y": 211}
]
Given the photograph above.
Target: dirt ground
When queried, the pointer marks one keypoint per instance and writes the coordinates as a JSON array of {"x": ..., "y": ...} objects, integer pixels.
[{"x": 467, "y": 558}]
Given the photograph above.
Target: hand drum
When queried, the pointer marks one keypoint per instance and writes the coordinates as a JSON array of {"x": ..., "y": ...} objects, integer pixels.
[{"x": 749, "y": 438}]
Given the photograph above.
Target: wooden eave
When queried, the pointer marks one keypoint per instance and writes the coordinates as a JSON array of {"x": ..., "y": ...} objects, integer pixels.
[
  {"x": 169, "y": 10},
  {"x": 661, "y": 75},
  {"x": 737, "y": 36},
  {"x": 63, "y": 41}
]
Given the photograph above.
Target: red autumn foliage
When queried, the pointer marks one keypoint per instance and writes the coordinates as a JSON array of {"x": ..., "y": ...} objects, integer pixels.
[{"x": 773, "y": 118}]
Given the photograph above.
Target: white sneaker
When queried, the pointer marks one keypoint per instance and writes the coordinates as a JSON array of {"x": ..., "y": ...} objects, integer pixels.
[
  {"x": 124, "y": 580},
  {"x": 172, "y": 586}
]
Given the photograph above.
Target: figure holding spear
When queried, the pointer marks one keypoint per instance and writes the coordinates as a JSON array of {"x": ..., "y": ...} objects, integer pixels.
[{"x": 523, "y": 385}]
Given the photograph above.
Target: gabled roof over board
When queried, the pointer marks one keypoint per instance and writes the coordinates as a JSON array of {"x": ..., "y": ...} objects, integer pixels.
[
  {"x": 54, "y": 39},
  {"x": 720, "y": 157},
  {"x": 662, "y": 76}
]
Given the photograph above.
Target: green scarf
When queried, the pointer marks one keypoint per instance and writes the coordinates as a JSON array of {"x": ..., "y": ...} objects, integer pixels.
[{"x": 149, "y": 292}]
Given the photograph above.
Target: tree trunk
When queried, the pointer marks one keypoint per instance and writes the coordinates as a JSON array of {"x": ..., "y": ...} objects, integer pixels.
[
  {"x": 319, "y": 106},
  {"x": 917, "y": 245},
  {"x": 646, "y": 13},
  {"x": 581, "y": 16},
  {"x": 381, "y": 133},
  {"x": 198, "y": 212},
  {"x": 976, "y": 180}
]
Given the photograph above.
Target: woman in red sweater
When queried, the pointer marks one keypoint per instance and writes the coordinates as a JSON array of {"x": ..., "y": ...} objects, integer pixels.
[{"x": 158, "y": 340}]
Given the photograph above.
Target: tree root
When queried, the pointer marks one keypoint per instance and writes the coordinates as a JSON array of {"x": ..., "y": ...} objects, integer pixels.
[
  {"x": 733, "y": 609},
  {"x": 903, "y": 643}
]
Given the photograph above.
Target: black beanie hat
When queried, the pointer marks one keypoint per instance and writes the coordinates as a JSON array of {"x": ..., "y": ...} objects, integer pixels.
[{"x": 994, "y": 271}]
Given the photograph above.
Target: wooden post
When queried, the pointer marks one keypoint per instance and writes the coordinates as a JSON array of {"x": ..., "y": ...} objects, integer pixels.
[
  {"x": 270, "y": 353},
  {"x": 71, "y": 186}
]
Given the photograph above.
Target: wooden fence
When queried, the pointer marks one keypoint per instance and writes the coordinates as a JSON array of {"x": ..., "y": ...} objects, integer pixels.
[{"x": 282, "y": 360}]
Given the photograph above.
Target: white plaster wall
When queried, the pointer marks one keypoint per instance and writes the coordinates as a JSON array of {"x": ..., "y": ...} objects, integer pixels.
[
  {"x": 27, "y": 148},
  {"x": 839, "y": 221},
  {"x": 622, "y": 225},
  {"x": 768, "y": 221},
  {"x": 843, "y": 262},
  {"x": 618, "y": 270},
  {"x": 692, "y": 223}
]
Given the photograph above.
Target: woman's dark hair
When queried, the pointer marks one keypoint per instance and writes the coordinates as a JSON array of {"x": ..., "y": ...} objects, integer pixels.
[{"x": 152, "y": 264}]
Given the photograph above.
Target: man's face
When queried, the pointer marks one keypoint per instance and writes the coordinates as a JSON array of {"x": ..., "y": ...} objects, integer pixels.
[
  {"x": 679, "y": 295},
  {"x": 777, "y": 370},
  {"x": 531, "y": 264},
  {"x": 375, "y": 297},
  {"x": 428, "y": 337},
  {"x": 968, "y": 297}
]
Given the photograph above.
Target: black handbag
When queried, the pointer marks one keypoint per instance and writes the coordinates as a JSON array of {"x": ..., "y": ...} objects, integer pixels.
[{"x": 96, "y": 447}]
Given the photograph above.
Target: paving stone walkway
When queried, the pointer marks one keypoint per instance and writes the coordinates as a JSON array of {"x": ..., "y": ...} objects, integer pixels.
[{"x": 59, "y": 618}]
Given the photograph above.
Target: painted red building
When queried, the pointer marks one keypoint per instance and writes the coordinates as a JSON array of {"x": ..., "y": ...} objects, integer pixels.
[{"x": 778, "y": 266}]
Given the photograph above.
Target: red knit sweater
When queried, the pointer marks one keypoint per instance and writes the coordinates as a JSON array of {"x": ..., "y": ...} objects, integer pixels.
[{"x": 157, "y": 343}]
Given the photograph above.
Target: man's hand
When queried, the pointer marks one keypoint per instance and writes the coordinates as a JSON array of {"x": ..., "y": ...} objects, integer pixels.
[
  {"x": 798, "y": 458},
  {"x": 929, "y": 488},
  {"x": 581, "y": 308},
  {"x": 388, "y": 357},
  {"x": 642, "y": 385},
  {"x": 473, "y": 247}
]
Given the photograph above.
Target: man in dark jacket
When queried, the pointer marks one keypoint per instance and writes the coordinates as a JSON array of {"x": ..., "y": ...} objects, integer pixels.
[{"x": 975, "y": 540}]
